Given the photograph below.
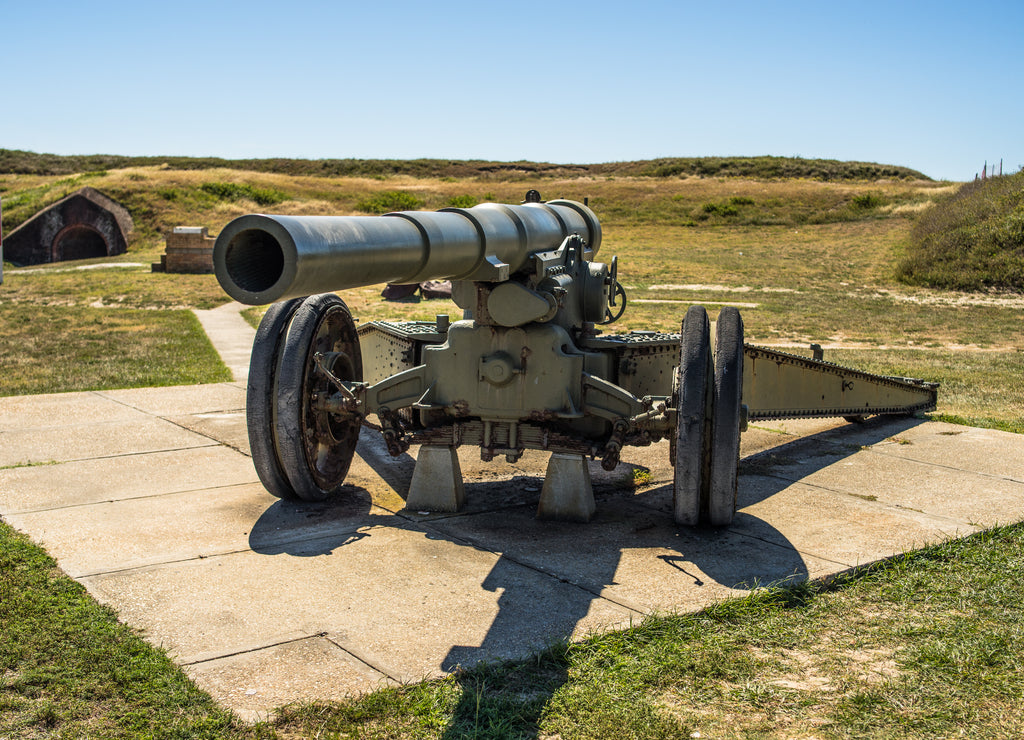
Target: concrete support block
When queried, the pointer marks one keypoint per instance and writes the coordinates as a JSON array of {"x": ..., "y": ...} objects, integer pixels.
[
  {"x": 567, "y": 494},
  {"x": 436, "y": 480}
]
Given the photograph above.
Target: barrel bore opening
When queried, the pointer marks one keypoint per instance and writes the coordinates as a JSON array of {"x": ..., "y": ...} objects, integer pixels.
[{"x": 254, "y": 260}]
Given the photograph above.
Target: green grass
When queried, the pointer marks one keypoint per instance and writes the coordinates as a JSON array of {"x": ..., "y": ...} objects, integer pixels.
[
  {"x": 926, "y": 644},
  {"x": 52, "y": 349}
]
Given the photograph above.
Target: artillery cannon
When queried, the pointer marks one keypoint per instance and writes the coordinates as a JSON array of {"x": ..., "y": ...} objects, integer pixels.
[{"x": 525, "y": 367}]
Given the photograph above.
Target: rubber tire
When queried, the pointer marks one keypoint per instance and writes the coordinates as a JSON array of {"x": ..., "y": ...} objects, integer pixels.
[
  {"x": 692, "y": 436},
  {"x": 725, "y": 425},
  {"x": 295, "y": 371},
  {"x": 260, "y": 402}
]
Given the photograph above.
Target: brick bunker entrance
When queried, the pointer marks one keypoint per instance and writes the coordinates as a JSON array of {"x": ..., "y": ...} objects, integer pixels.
[{"x": 84, "y": 224}]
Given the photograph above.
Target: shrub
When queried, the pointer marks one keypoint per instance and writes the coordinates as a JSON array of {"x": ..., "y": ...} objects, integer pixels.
[
  {"x": 720, "y": 209},
  {"x": 971, "y": 240},
  {"x": 238, "y": 191},
  {"x": 867, "y": 201},
  {"x": 388, "y": 201},
  {"x": 462, "y": 201}
]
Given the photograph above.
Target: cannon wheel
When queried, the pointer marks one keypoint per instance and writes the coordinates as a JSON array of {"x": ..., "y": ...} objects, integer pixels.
[
  {"x": 316, "y": 447},
  {"x": 260, "y": 406},
  {"x": 725, "y": 445},
  {"x": 692, "y": 440}
]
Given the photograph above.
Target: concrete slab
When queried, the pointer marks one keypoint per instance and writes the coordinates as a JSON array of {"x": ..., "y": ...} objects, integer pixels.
[
  {"x": 83, "y": 482},
  {"x": 59, "y": 410},
  {"x": 845, "y": 529},
  {"x": 962, "y": 448},
  {"x": 419, "y": 603},
  {"x": 891, "y": 479},
  {"x": 231, "y": 335},
  {"x": 153, "y": 505},
  {"x": 302, "y": 670},
  {"x": 226, "y": 427},
  {"x": 137, "y": 435},
  {"x": 633, "y": 555},
  {"x": 178, "y": 400}
]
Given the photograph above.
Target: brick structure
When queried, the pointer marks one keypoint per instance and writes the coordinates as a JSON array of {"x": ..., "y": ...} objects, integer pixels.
[
  {"x": 189, "y": 249},
  {"x": 85, "y": 224}
]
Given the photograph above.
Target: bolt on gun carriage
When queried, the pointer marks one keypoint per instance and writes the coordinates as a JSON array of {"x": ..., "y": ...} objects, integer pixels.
[{"x": 525, "y": 368}]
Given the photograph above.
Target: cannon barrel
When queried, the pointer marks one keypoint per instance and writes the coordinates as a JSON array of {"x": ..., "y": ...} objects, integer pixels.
[{"x": 260, "y": 259}]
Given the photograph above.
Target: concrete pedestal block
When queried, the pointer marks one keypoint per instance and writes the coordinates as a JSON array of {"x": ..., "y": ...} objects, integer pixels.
[
  {"x": 436, "y": 480},
  {"x": 567, "y": 494}
]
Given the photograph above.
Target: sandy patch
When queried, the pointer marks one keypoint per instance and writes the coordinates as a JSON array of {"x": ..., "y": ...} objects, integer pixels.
[
  {"x": 97, "y": 266},
  {"x": 738, "y": 304},
  {"x": 998, "y": 300},
  {"x": 720, "y": 288}
]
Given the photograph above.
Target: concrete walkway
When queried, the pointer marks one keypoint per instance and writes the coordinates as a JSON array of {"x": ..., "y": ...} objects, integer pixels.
[
  {"x": 150, "y": 500},
  {"x": 231, "y": 336}
]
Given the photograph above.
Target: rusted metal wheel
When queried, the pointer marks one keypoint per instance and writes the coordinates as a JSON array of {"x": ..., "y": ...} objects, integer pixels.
[
  {"x": 725, "y": 425},
  {"x": 260, "y": 405},
  {"x": 315, "y": 446},
  {"x": 692, "y": 439}
]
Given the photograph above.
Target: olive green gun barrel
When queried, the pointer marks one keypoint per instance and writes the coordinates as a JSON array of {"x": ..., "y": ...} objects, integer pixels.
[{"x": 260, "y": 259}]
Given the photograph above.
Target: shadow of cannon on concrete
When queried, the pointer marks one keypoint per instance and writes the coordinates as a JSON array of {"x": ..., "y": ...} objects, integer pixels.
[{"x": 555, "y": 581}]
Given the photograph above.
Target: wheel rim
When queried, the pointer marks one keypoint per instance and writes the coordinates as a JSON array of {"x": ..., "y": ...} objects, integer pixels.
[
  {"x": 315, "y": 446},
  {"x": 328, "y": 449}
]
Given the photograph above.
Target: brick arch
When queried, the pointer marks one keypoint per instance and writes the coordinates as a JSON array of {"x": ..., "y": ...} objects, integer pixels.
[
  {"x": 84, "y": 224},
  {"x": 78, "y": 242}
]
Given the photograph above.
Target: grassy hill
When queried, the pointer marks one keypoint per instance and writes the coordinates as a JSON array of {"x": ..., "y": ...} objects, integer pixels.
[
  {"x": 30, "y": 163},
  {"x": 972, "y": 239}
]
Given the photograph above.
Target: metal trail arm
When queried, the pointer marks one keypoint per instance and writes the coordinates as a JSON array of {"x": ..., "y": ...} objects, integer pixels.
[{"x": 779, "y": 385}]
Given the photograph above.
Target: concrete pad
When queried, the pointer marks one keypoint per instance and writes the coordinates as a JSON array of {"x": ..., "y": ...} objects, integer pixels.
[
  {"x": 178, "y": 400},
  {"x": 82, "y": 482},
  {"x": 118, "y": 535},
  {"x": 978, "y": 499},
  {"x": 230, "y": 334},
  {"x": 421, "y": 604},
  {"x": 986, "y": 451},
  {"x": 99, "y": 439},
  {"x": 158, "y": 512},
  {"x": 842, "y": 528},
  {"x": 635, "y": 556},
  {"x": 302, "y": 670},
  {"x": 226, "y": 427},
  {"x": 60, "y": 410}
]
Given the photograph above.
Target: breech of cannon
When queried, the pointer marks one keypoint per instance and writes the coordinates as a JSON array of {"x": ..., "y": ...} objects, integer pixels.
[{"x": 261, "y": 259}]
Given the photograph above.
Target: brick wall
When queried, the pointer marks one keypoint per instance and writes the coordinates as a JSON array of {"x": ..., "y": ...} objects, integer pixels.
[{"x": 189, "y": 249}]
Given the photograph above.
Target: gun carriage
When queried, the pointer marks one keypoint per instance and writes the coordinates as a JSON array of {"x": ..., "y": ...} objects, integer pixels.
[{"x": 526, "y": 366}]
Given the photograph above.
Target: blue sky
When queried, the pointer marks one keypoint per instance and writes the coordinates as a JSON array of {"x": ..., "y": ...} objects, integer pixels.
[{"x": 936, "y": 86}]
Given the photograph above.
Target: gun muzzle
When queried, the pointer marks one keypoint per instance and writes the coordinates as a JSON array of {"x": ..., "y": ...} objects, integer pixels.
[{"x": 260, "y": 259}]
